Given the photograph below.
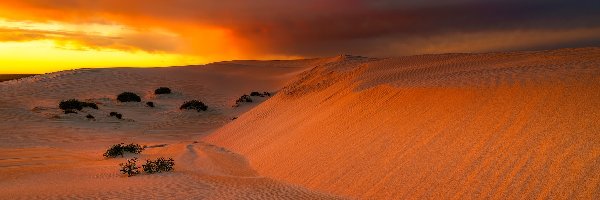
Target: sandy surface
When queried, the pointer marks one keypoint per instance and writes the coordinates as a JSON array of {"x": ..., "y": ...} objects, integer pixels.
[
  {"x": 45, "y": 154},
  {"x": 522, "y": 125}
]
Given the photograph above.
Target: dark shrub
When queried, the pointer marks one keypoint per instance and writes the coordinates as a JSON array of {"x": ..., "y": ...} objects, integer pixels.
[
  {"x": 129, "y": 97},
  {"x": 133, "y": 148},
  {"x": 194, "y": 105},
  {"x": 264, "y": 94},
  {"x": 71, "y": 104},
  {"x": 89, "y": 105},
  {"x": 242, "y": 99},
  {"x": 130, "y": 168},
  {"x": 120, "y": 149},
  {"x": 116, "y": 114},
  {"x": 162, "y": 90},
  {"x": 69, "y": 111},
  {"x": 150, "y": 104},
  {"x": 74, "y": 104},
  {"x": 150, "y": 167},
  {"x": 159, "y": 165},
  {"x": 90, "y": 116}
]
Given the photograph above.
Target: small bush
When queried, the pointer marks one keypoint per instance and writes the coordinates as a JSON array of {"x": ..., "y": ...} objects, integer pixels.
[
  {"x": 264, "y": 94},
  {"x": 159, "y": 165},
  {"x": 116, "y": 114},
  {"x": 162, "y": 90},
  {"x": 90, "y": 116},
  {"x": 71, "y": 104},
  {"x": 74, "y": 104},
  {"x": 194, "y": 105},
  {"x": 133, "y": 148},
  {"x": 130, "y": 167},
  {"x": 90, "y": 105},
  {"x": 129, "y": 97},
  {"x": 242, "y": 99},
  {"x": 150, "y": 104},
  {"x": 120, "y": 149}
]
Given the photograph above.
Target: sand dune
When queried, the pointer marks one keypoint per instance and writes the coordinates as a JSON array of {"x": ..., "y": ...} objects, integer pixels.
[
  {"x": 33, "y": 101},
  {"x": 519, "y": 125},
  {"x": 522, "y": 125},
  {"x": 45, "y": 154}
]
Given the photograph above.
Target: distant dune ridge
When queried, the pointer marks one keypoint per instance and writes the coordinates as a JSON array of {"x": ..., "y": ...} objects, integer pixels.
[
  {"x": 518, "y": 125},
  {"x": 8, "y": 77}
]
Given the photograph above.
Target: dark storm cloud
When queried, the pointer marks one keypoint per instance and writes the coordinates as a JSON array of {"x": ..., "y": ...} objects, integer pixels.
[
  {"x": 359, "y": 30},
  {"x": 327, "y": 27}
]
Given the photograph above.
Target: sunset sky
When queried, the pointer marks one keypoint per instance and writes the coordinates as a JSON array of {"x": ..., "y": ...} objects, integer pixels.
[{"x": 39, "y": 36}]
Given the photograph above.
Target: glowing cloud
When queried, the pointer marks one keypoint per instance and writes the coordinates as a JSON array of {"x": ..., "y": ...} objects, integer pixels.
[{"x": 204, "y": 30}]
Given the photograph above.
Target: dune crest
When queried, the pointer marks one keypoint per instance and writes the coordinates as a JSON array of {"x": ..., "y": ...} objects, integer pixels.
[{"x": 519, "y": 125}]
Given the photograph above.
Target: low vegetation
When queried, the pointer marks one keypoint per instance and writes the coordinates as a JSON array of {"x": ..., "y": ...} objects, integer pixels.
[
  {"x": 120, "y": 149},
  {"x": 194, "y": 105},
  {"x": 130, "y": 167},
  {"x": 159, "y": 165},
  {"x": 129, "y": 97},
  {"x": 162, "y": 90},
  {"x": 90, "y": 116},
  {"x": 152, "y": 166},
  {"x": 247, "y": 98},
  {"x": 264, "y": 94},
  {"x": 244, "y": 98},
  {"x": 74, "y": 104},
  {"x": 150, "y": 104},
  {"x": 116, "y": 114}
]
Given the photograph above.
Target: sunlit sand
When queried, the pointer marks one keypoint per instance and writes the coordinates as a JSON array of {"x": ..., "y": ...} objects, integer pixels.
[{"x": 516, "y": 125}]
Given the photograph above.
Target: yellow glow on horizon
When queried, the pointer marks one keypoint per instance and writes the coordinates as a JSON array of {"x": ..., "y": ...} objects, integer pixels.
[
  {"x": 34, "y": 47},
  {"x": 28, "y": 47},
  {"x": 43, "y": 56}
]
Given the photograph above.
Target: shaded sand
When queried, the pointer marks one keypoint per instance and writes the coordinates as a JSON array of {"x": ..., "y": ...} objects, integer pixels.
[
  {"x": 202, "y": 172},
  {"x": 522, "y": 125},
  {"x": 45, "y": 154}
]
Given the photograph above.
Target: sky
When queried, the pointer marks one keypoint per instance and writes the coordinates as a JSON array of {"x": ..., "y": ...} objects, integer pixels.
[{"x": 40, "y": 36}]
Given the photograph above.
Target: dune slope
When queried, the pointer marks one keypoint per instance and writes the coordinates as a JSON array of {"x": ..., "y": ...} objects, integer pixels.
[{"x": 520, "y": 125}]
